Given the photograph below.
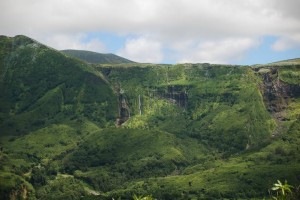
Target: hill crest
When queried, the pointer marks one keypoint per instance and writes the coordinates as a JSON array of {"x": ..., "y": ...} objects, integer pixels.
[{"x": 96, "y": 58}]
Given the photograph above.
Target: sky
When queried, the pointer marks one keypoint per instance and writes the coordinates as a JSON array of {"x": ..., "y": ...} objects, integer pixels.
[{"x": 162, "y": 31}]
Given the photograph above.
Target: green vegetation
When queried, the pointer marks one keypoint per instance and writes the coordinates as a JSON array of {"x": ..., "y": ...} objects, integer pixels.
[
  {"x": 290, "y": 75},
  {"x": 96, "y": 58},
  {"x": 40, "y": 86},
  {"x": 284, "y": 189},
  {"x": 135, "y": 197},
  {"x": 72, "y": 130},
  {"x": 210, "y": 103}
]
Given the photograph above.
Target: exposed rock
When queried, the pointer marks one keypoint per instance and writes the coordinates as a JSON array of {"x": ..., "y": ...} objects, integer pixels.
[
  {"x": 123, "y": 107},
  {"x": 176, "y": 94},
  {"x": 277, "y": 93}
]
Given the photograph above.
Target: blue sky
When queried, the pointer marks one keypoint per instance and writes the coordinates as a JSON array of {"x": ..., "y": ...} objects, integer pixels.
[
  {"x": 169, "y": 31},
  {"x": 111, "y": 41},
  {"x": 263, "y": 53}
]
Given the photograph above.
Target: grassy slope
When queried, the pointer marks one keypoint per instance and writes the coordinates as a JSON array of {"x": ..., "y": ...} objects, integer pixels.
[
  {"x": 96, "y": 58},
  {"x": 288, "y": 62}
]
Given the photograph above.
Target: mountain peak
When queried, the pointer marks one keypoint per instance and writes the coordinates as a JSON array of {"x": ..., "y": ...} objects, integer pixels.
[{"x": 23, "y": 40}]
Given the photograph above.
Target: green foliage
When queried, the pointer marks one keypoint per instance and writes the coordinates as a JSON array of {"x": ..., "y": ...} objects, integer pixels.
[
  {"x": 285, "y": 191},
  {"x": 40, "y": 85},
  {"x": 290, "y": 75},
  {"x": 115, "y": 156},
  {"x": 210, "y": 103},
  {"x": 282, "y": 189},
  {"x": 62, "y": 188},
  {"x": 13, "y": 186},
  {"x": 38, "y": 177},
  {"x": 135, "y": 197}
]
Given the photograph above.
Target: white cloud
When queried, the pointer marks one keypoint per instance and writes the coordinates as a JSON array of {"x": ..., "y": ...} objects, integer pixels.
[
  {"x": 142, "y": 49},
  {"x": 165, "y": 22},
  {"x": 191, "y": 18},
  {"x": 223, "y": 51},
  {"x": 285, "y": 43},
  {"x": 78, "y": 41}
]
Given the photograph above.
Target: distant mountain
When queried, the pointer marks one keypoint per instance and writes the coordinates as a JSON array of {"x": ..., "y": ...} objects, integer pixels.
[
  {"x": 96, "y": 58},
  {"x": 289, "y": 61}
]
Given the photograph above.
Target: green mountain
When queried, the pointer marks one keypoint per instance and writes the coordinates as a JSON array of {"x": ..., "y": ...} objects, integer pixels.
[
  {"x": 39, "y": 85},
  {"x": 96, "y": 58},
  {"x": 74, "y": 130}
]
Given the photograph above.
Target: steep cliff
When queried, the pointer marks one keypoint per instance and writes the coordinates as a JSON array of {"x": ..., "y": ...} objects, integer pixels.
[{"x": 210, "y": 102}]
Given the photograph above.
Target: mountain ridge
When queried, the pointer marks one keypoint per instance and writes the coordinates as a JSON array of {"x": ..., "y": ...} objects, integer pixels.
[{"x": 96, "y": 58}]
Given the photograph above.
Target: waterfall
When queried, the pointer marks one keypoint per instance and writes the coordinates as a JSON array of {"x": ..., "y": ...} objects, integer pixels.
[{"x": 140, "y": 110}]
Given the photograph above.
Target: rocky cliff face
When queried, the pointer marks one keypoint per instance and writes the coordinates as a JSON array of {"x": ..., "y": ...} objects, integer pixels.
[
  {"x": 276, "y": 92},
  {"x": 124, "y": 110},
  {"x": 176, "y": 94}
]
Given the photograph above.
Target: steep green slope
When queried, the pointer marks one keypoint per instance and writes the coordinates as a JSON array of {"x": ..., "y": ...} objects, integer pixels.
[
  {"x": 96, "y": 58},
  {"x": 40, "y": 85},
  {"x": 47, "y": 104}
]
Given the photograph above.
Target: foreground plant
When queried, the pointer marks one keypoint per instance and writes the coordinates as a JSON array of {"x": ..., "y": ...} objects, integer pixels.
[
  {"x": 149, "y": 197},
  {"x": 283, "y": 191}
]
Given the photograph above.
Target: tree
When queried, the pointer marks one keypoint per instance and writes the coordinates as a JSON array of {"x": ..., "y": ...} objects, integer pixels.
[{"x": 38, "y": 176}]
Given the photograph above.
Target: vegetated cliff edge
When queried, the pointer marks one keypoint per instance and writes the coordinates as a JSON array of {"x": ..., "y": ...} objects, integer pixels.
[
  {"x": 213, "y": 103},
  {"x": 280, "y": 88}
]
